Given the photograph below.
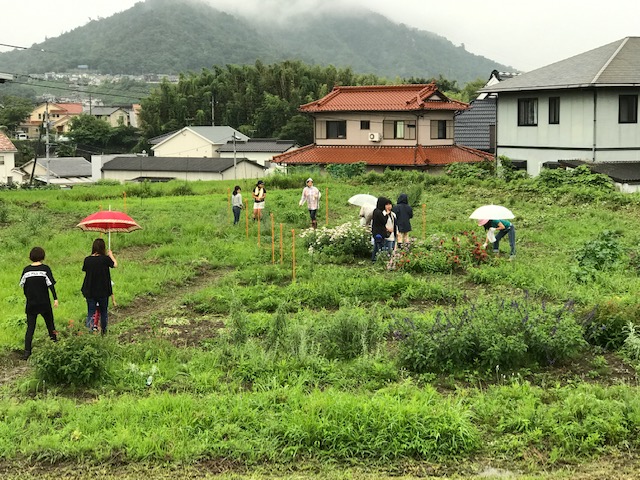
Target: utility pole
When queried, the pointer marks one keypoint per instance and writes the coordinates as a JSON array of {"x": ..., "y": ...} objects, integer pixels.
[
  {"x": 213, "y": 115},
  {"x": 235, "y": 170},
  {"x": 46, "y": 126}
]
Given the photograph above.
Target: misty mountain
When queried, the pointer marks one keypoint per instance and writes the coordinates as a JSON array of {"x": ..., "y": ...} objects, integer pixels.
[{"x": 165, "y": 36}]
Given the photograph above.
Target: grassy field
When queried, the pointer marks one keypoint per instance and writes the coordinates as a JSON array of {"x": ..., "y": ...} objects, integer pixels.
[{"x": 233, "y": 353}]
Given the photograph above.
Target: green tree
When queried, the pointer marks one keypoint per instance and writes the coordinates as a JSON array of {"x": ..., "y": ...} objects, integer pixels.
[
  {"x": 89, "y": 131},
  {"x": 14, "y": 111},
  {"x": 298, "y": 128}
]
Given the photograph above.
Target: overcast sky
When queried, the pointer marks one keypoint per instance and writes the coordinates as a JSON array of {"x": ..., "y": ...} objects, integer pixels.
[{"x": 524, "y": 35}]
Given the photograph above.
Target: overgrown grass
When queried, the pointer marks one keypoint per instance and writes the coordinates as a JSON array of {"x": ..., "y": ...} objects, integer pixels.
[{"x": 316, "y": 368}]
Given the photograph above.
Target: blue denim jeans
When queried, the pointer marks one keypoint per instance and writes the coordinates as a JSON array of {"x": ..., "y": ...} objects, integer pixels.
[
  {"x": 236, "y": 214},
  {"x": 101, "y": 304},
  {"x": 511, "y": 232},
  {"x": 378, "y": 246}
]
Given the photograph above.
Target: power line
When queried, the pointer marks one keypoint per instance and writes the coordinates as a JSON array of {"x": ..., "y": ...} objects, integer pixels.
[
  {"x": 28, "y": 48},
  {"x": 74, "y": 90},
  {"x": 36, "y": 79}
]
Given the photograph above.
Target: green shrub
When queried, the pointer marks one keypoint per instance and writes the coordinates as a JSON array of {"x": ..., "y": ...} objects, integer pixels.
[
  {"x": 441, "y": 254},
  {"x": 606, "y": 324},
  {"x": 350, "y": 238},
  {"x": 477, "y": 171},
  {"x": 347, "y": 170},
  {"x": 182, "y": 190},
  {"x": 601, "y": 254},
  {"x": 507, "y": 334},
  {"x": 350, "y": 333},
  {"x": 77, "y": 359}
]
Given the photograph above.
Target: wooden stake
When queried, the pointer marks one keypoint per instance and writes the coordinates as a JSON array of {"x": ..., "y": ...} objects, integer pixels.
[
  {"x": 424, "y": 221},
  {"x": 326, "y": 201},
  {"x": 281, "y": 247},
  {"x": 273, "y": 240},
  {"x": 246, "y": 216},
  {"x": 293, "y": 255}
]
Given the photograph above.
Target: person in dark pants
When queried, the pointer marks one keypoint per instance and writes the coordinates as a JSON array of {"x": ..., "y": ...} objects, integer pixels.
[
  {"x": 379, "y": 232},
  {"x": 503, "y": 227},
  {"x": 404, "y": 214},
  {"x": 97, "y": 287},
  {"x": 36, "y": 281},
  {"x": 236, "y": 204}
]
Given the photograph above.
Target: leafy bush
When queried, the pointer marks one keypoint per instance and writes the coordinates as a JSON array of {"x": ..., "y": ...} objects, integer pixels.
[
  {"x": 602, "y": 253},
  {"x": 508, "y": 172},
  {"x": 350, "y": 238},
  {"x": 182, "y": 190},
  {"x": 490, "y": 335},
  {"x": 77, "y": 359},
  {"x": 606, "y": 324},
  {"x": 441, "y": 254},
  {"x": 580, "y": 176},
  {"x": 477, "y": 171},
  {"x": 347, "y": 170},
  {"x": 350, "y": 333}
]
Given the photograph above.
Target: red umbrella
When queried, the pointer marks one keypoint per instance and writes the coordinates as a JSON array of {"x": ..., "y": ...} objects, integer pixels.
[{"x": 107, "y": 221}]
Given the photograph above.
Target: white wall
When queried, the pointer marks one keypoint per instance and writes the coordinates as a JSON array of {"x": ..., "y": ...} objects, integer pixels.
[
  {"x": 7, "y": 163},
  {"x": 574, "y": 137}
]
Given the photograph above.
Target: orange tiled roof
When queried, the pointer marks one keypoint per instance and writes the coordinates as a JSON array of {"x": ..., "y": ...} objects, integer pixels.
[
  {"x": 70, "y": 108},
  {"x": 418, "y": 156},
  {"x": 384, "y": 98},
  {"x": 6, "y": 145}
]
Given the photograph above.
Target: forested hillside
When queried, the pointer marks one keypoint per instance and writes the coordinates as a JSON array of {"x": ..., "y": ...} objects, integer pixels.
[{"x": 162, "y": 36}]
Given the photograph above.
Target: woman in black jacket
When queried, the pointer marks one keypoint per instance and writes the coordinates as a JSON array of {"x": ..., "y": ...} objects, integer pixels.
[
  {"x": 404, "y": 214},
  {"x": 379, "y": 226}
]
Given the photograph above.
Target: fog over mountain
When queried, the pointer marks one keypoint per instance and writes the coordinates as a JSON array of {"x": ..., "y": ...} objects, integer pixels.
[{"x": 165, "y": 36}]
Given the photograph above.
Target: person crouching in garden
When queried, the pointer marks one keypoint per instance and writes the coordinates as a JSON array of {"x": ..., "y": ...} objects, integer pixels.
[
  {"x": 36, "y": 281},
  {"x": 503, "y": 227},
  {"x": 311, "y": 195}
]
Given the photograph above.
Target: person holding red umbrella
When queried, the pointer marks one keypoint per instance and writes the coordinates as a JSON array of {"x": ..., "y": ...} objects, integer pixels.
[{"x": 97, "y": 287}]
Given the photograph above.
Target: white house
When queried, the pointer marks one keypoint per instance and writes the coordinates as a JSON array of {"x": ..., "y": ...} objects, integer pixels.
[
  {"x": 195, "y": 142},
  {"x": 582, "y": 108},
  {"x": 158, "y": 169},
  {"x": 7, "y": 159},
  {"x": 64, "y": 171}
]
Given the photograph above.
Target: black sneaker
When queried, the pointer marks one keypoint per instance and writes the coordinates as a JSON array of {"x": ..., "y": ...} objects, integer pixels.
[{"x": 26, "y": 355}]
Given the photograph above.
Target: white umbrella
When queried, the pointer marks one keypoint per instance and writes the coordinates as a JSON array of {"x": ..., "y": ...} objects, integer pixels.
[
  {"x": 362, "y": 199},
  {"x": 492, "y": 212}
]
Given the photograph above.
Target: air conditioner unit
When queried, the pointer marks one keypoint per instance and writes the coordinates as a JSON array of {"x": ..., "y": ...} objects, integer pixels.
[{"x": 374, "y": 137}]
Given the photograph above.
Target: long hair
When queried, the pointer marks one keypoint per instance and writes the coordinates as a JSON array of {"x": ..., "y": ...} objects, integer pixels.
[
  {"x": 99, "y": 247},
  {"x": 235, "y": 189}
]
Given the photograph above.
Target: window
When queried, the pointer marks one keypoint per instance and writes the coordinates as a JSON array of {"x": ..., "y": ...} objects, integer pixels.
[
  {"x": 336, "y": 129},
  {"x": 554, "y": 110},
  {"x": 628, "y": 109},
  {"x": 399, "y": 129},
  {"x": 365, "y": 125},
  {"x": 527, "y": 112},
  {"x": 441, "y": 129}
]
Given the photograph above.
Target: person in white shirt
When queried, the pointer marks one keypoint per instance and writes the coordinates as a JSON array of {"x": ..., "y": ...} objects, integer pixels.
[{"x": 311, "y": 195}]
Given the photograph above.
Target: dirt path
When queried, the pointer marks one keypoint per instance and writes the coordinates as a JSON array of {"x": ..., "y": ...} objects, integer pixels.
[{"x": 163, "y": 315}]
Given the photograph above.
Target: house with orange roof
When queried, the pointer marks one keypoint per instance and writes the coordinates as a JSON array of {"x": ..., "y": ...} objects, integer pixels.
[
  {"x": 7, "y": 159},
  {"x": 385, "y": 126},
  {"x": 60, "y": 115}
]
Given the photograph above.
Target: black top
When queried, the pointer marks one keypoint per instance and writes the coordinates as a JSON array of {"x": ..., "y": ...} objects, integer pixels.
[
  {"x": 404, "y": 213},
  {"x": 36, "y": 281},
  {"x": 379, "y": 219},
  {"x": 97, "y": 279}
]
